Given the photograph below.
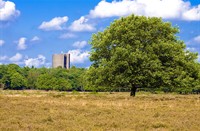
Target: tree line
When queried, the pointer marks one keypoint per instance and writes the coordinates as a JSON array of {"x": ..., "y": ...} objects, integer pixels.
[{"x": 15, "y": 77}]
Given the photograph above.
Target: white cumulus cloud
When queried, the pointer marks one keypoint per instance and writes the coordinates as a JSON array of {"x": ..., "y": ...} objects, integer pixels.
[
  {"x": 168, "y": 9},
  {"x": 67, "y": 36},
  {"x": 56, "y": 23},
  {"x": 35, "y": 38},
  {"x": 8, "y": 11},
  {"x": 2, "y": 42},
  {"x": 80, "y": 44},
  {"x": 81, "y": 25},
  {"x": 21, "y": 45},
  {"x": 78, "y": 56},
  {"x": 107, "y": 9},
  {"x": 36, "y": 62},
  {"x": 197, "y": 39},
  {"x": 16, "y": 58}
]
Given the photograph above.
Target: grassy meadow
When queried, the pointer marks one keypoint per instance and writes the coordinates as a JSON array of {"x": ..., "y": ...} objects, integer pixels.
[{"x": 52, "y": 111}]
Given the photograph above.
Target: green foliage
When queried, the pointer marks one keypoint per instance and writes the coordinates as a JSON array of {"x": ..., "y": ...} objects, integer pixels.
[
  {"x": 45, "y": 82},
  {"x": 32, "y": 76},
  {"x": 50, "y": 82},
  {"x": 17, "y": 81},
  {"x": 141, "y": 52},
  {"x": 76, "y": 77},
  {"x": 9, "y": 73},
  {"x": 15, "y": 77}
]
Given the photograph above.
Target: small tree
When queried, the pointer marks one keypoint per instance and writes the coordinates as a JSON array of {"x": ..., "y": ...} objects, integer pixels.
[
  {"x": 138, "y": 51},
  {"x": 17, "y": 81}
]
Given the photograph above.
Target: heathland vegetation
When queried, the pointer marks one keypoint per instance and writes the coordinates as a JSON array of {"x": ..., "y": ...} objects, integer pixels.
[{"x": 73, "y": 111}]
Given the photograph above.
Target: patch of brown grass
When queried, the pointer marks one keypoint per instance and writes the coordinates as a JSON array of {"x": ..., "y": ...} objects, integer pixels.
[{"x": 41, "y": 110}]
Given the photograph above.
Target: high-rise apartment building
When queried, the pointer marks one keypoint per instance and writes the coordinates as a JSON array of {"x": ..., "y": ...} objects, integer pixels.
[{"x": 61, "y": 60}]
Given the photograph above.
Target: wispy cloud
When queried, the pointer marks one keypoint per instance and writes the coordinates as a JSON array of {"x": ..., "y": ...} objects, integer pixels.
[
  {"x": 80, "y": 44},
  {"x": 16, "y": 58},
  {"x": 2, "y": 58},
  {"x": 197, "y": 39},
  {"x": 67, "y": 36},
  {"x": 2, "y": 42},
  {"x": 35, "y": 38}
]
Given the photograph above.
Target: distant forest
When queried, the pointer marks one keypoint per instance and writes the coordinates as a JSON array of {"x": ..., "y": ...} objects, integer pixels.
[{"x": 15, "y": 77}]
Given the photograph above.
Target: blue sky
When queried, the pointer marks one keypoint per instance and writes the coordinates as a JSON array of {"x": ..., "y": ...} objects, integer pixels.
[{"x": 32, "y": 30}]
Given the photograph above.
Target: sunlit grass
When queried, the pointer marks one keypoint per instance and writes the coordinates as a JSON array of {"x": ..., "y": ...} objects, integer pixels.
[{"x": 42, "y": 110}]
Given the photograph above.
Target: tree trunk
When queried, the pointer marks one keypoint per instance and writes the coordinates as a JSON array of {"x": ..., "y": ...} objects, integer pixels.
[{"x": 133, "y": 91}]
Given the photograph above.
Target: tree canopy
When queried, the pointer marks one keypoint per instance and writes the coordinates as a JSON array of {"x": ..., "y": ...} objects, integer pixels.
[{"x": 139, "y": 51}]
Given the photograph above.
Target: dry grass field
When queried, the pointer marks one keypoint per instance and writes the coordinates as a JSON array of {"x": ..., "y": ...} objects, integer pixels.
[{"x": 53, "y": 111}]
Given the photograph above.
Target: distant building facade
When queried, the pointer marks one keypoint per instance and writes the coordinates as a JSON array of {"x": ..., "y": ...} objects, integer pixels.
[{"x": 61, "y": 60}]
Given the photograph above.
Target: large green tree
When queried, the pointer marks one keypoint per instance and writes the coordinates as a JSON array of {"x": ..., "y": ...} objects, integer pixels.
[{"x": 139, "y": 51}]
